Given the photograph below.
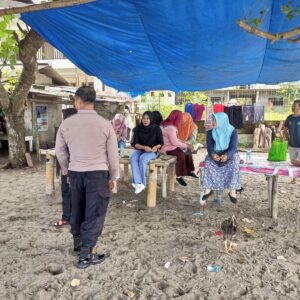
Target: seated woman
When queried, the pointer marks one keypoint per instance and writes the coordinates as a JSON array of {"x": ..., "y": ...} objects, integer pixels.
[
  {"x": 147, "y": 140},
  {"x": 188, "y": 131},
  {"x": 120, "y": 129},
  {"x": 157, "y": 117},
  {"x": 221, "y": 170},
  {"x": 173, "y": 146}
]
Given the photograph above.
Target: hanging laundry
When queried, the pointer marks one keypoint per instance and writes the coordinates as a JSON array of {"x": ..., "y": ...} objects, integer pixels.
[
  {"x": 208, "y": 124},
  {"x": 189, "y": 108},
  {"x": 199, "y": 109},
  {"x": 235, "y": 115},
  {"x": 218, "y": 108},
  {"x": 259, "y": 113},
  {"x": 248, "y": 113}
]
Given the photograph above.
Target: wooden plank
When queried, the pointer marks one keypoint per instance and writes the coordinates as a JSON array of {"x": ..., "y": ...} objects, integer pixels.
[
  {"x": 269, "y": 188},
  {"x": 49, "y": 174},
  {"x": 275, "y": 198},
  {"x": 126, "y": 173},
  {"x": 42, "y": 6},
  {"x": 152, "y": 186},
  {"x": 172, "y": 177},
  {"x": 164, "y": 182},
  {"x": 29, "y": 160}
]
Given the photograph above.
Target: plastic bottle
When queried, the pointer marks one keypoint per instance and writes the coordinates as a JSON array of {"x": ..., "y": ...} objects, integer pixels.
[
  {"x": 212, "y": 268},
  {"x": 248, "y": 155}
]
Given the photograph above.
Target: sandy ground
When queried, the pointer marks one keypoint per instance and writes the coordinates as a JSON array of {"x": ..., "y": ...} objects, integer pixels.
[{"x": 36, "y": 264}]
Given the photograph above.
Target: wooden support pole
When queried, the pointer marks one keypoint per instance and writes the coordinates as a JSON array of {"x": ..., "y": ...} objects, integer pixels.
[
  {"x": 50, "y": 168},
  {"x": 172, "y": 176},
  {"x": 42, "y": 6},
  {"x": 164, "y": 182},
  {"x": 152, "y": 186},
  {"x": 275, "y": 198},
  {"x": 270, "y": 186},
  {"x": 126, "y": 173}
]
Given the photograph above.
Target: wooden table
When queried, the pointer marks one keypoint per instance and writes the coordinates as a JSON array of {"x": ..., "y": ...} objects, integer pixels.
[
  {"x": 167, "y": 164},
  {"x": 271, "y": 170}
]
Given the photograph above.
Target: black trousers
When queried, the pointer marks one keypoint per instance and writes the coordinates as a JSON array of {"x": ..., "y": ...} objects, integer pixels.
[
  {"x": 66, "y": 198},
  {"x": 89, "y": 200}
]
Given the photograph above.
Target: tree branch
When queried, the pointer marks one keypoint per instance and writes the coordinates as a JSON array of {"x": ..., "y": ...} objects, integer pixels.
[
  {"x": 42, "y": 6},
  {"x": 287, "y": 35},
  {"x": 25, "y": 32},
  {"x": 29, "y": 46}
]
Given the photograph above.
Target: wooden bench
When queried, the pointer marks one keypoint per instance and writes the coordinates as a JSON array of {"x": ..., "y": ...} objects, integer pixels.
[{"x": 167, "y": 164}]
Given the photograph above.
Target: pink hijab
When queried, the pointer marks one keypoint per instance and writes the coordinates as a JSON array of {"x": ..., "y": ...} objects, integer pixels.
[{"x": 119, "y": 129}]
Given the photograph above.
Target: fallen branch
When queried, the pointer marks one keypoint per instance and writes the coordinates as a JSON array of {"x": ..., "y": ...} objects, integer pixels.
[
  {"x": 42, "y": 6},
  {"x": 287, "y": 35}
]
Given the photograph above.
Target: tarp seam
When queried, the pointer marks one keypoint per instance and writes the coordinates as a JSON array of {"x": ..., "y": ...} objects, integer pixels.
[
  {"x": 267, "y": 43},
  {"x": 142, "y": 23}
]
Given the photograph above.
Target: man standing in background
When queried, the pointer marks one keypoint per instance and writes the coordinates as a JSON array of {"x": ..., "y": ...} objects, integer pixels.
[
  {"x": 86, "y": 148},
  {"x": 292, "y": 132}
]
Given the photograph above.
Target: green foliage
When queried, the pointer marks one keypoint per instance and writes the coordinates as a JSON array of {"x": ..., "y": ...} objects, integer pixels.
[
  {"x": 160, "y": 103},
  {"x": 290, "y": 10},
  {"x": 157, "y": 103},
  {"x": 8, "y": 45},
  {"x": 9, "y": 79}
]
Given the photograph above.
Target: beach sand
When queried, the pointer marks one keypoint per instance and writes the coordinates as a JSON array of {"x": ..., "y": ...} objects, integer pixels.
[{"x": 139, "y": 241}]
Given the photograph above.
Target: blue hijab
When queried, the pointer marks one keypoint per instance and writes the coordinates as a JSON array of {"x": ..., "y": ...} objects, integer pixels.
[{"x": 222, "y": 133}]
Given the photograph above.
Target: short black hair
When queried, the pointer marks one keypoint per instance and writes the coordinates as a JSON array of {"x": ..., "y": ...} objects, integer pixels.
[
  {"x": 86, "y": 94},
  {"x": 297, "y": 101}
]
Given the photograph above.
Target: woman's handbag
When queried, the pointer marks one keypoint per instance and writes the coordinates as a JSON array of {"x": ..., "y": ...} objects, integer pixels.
[{"x": 278, "y": 150}]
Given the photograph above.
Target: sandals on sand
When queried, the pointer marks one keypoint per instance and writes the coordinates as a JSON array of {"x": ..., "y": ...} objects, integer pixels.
[{"x": 61, "y": 223}]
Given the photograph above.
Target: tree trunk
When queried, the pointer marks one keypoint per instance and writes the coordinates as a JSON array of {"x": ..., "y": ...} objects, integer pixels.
[
  {"x": 15, "y": 104},
  {"x": 16, "y": 138}
]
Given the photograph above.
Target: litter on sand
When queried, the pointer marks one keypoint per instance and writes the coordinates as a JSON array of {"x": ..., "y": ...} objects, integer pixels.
[
  {"x": 245, "y": 220},
  {"x": 280, "y": 257},
  {"x": 130, "y": 294},
  {"x": 130, "y": 205},
  {"x": 183, "y": 258},
  {"x": 167, "y": 265},
  {"x": 250, "y": 232},
  {"x": 75, "y": 282},
  {"x": 198, "y": 214},
  {"x": 214, "y": 269}
]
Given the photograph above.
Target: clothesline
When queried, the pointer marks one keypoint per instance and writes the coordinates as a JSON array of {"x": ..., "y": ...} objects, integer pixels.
[{"x": 237, "y": 114}]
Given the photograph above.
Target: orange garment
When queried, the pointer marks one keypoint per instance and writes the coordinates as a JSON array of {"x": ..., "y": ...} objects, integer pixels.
[{"x": 186, "y": 127}]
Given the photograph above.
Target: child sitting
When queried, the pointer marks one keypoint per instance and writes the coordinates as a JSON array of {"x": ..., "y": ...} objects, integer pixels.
[{"x": 120, "y": 129}]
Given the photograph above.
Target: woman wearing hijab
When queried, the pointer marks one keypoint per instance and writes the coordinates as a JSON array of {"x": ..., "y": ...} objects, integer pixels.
[
  {"x": 157, "y": 117},
  {"x": 147, "y": 140},
  {"x": 120, "y": 129},
  {"x": 188, "y": 131},
  {"x": 174, "y": 146},
  {"x": 221, "y": 169}
]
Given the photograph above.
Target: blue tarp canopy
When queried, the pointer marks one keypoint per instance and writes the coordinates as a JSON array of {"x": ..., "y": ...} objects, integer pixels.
[{"x": 180, "y": 45}]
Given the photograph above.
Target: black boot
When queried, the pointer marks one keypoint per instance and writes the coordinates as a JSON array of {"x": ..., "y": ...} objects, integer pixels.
[
  {"x": 88, "y": 256},
  {"x": 77, "y": 245}
]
